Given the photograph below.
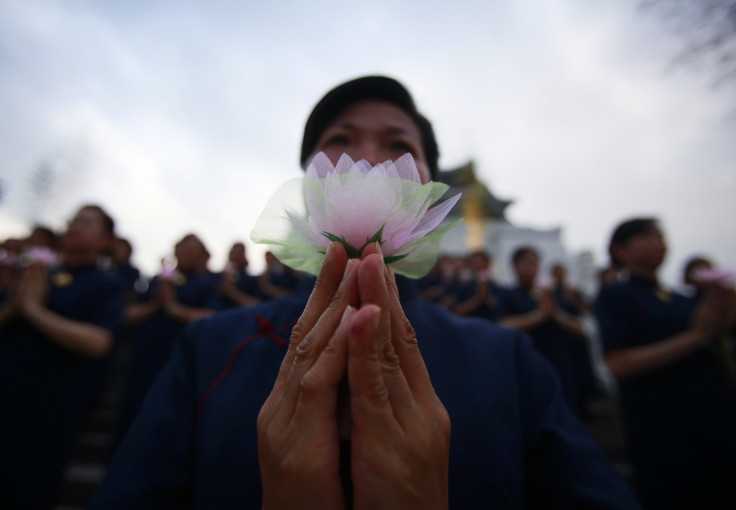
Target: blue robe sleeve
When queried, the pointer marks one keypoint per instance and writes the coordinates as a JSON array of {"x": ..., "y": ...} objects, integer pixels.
[
  {"x": 613, "y": 309},
  {"x": 155, "y": 464},
  {"x": 565, "y": 469}
]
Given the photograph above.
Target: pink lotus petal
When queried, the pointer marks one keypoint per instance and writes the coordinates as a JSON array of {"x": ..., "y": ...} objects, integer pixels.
[
  {"x": 354, "y": 201},
  {"x": 319, "y": 167},
  {"x": 713, "y": 275},
  {"x": 434, "y": 217},
  {"x": 168, "y": 273},
  {"x": 42, "y": 255},
  {"x": 407, "y": 169},
  {"x": 8, "y": 258}
]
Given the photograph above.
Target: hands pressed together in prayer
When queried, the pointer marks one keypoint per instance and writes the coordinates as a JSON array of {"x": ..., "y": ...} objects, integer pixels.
[
  {"x": 715, "y": 317},
  {"x": 353, "y": 328},
  {"x": 28, "y": 293}
]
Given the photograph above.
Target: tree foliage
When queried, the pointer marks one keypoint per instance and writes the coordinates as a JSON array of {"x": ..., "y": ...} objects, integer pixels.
[{"x": 707, "y": 30}]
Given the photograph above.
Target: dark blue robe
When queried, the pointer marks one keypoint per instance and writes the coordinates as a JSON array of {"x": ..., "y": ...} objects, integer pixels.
[
  {"x": 155, "y": 339},
  {"x": 515, "y": 443},
  {"x": 551, "y": 340},
  {"x": 44, "y": 388},
  {"x": 680, "y": 419}
]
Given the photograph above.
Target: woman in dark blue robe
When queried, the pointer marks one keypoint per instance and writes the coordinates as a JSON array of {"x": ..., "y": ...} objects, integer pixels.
[
  {"x": 56, "y": 332},
  {"x": 254, "y": 408},
  {"x": 239, "y": 287},
  {"x": 553, "y": 325},
  {"x": 173, "y": 300},
  {"x": 677, "y": 397}
]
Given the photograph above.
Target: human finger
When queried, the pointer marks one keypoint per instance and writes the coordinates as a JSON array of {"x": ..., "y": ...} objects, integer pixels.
[
  {"x": 405, "y": 343},
  {"x": 328, "y": 280},
  {"x": 374, "y": 288},
  {"x": 325, "y": 287},
  {"x": 318, "y": 386},
  {"x": 312, "y": 345},
  {"x": 369, "y": 396}
]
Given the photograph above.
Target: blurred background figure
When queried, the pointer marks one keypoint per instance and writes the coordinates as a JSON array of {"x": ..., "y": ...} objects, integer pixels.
[
  {"x": 57, "y": 328},
  {"x": 677, "y": 390},
  {"x": 175, "y": 298},
  {"x": 475, "y": 293},
  {"x": 40, "y": 246},
  {"x": 435, "y": 285},
  {"x": 10, "y": 252},
  {"x": 609, "y": 274},
  {"x": 554, "y": 327},
  {"x": 123, "y": 267},
  {"x": 277, "y": 279},
  {"x": 239, "y": 287},
  {"x": 693, "y": 284},
  {"x": 42, "y": 237},
  {"x": 569, "y": 300}
]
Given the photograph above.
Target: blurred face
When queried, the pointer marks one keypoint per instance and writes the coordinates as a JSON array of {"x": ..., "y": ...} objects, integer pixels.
[
  {"x": 86, "y": 234},
  {"x": 479, "y": 263},
  {"x": 40, "y": 240},
  {"x": 526, "y": 269},
  {"x": 644, "y": 251},
  {"x": 237, "y": 255},
  {"x": 559, "y": 273},
  {"x": 376, "y": 131},
  {"x": 690, "y": 277},
  {"x": 122, "y": 252},
  {"x": 190, "y": 255}
]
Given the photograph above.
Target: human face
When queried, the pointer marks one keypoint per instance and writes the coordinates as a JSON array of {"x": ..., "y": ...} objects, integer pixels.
[
  {"x": 190, "y": 255},
  {"x": 559, "y": 273},
  {"x": 375, "y": 131},
  {"x": 237, "y": 255},
  {"x": 86, "y": 234},
  {"x": 644, "y": 252},
  {"x": 526, "y": 269}
]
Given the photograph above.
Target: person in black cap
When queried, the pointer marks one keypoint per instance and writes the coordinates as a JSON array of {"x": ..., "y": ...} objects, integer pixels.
[
  {"x": 324, "y": 122},
  {"x": 360, "y": 395}
]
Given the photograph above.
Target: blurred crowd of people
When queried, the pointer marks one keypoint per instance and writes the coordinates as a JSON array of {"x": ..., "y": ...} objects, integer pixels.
[{"x": 68, "y": 299}]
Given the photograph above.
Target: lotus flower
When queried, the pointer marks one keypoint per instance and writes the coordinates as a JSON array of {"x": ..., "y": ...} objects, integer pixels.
[
  {"x": 8, "y": 258},
  {"x": 707, "y": 275},
  {"x": 40, "y": 255},
  {"x": 356, "y": 204},
  {"x": 168, "y": 273}
]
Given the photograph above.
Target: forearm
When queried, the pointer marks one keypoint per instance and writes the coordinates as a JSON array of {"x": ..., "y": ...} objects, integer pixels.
[
  {"x": 272, "y": 290},
  {"x": 80, "y": 337},
  {"x": 639, "y": 360},
  {"x": 241, "y": 298},
  {"x": 523, "y": 322},
  {"x": 569, "y": 323},
  {"x": 7, "y": 312},
  {"x": 187, "y": 314},
  {"x": 467, "y": 306},
  {"x": 140, "y": 311}
]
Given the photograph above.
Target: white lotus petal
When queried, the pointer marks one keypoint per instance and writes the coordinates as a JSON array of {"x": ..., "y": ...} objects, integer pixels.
[{"x": 354, "y": 201}]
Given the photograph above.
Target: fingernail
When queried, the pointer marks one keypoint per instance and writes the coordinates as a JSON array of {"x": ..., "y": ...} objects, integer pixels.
[
  {"x": 376, "y": 319},
  {"x": 349, "y": 267},
  {"x": 330, "y": 251},
  {"x": 346, "y": 314},
  {"x": 379, "y": 251}
]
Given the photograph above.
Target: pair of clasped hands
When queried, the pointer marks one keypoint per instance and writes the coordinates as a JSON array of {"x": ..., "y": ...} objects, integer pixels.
[{"x": 353, "y": 328}]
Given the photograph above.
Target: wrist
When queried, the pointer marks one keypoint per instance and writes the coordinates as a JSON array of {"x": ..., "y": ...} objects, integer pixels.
[
  {"x": 535, "y": 316},
  {"x": 31, "y": 309},
  {"x": 700, "y": 335},
  {"x": 174, "y": 309}
]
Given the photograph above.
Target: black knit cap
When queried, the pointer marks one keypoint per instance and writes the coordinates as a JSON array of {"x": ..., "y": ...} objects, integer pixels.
[{"x": 369, "y": 87}]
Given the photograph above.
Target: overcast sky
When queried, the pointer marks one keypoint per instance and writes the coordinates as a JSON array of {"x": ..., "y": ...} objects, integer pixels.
[{"x": 184, "y": 116}]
